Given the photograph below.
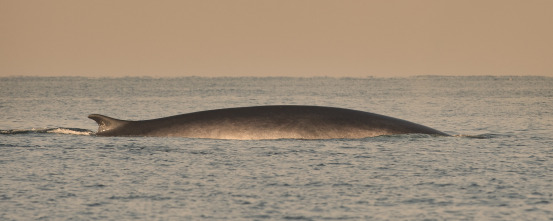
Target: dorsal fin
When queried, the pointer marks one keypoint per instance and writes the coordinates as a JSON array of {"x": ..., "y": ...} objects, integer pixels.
[{"x": 106, "y": 123}]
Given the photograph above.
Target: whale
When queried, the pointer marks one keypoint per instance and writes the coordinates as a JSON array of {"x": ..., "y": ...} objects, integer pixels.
[{"x": 265, "y": 122}]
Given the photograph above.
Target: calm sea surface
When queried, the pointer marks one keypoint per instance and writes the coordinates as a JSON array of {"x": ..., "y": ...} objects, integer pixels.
[{"x": 497, "y": 166}]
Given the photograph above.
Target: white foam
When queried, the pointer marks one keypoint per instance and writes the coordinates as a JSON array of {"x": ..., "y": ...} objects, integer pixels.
[{"x": 69, "y": 131}]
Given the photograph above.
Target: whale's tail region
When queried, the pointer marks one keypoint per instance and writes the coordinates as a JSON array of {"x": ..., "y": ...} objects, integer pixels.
[{"x": 106, "y": 123}]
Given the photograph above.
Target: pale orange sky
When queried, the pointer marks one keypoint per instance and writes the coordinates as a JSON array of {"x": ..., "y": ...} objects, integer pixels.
[{"x": 275, "y": 37}]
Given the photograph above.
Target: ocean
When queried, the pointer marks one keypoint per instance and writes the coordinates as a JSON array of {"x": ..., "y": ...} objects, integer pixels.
[{"x": 497, "y": 165}]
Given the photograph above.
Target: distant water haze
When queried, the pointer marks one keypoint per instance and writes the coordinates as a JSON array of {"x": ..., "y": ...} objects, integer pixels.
[{"x": 275, "y": 38}]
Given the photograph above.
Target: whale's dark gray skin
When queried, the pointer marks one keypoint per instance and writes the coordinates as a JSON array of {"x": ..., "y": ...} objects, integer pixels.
[{"x": 265, "y": 122}]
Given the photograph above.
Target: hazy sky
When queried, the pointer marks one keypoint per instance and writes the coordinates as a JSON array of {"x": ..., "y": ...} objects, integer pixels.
[{"x": 276, "y": 37}]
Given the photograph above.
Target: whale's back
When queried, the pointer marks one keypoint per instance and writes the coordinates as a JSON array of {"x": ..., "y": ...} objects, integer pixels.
[{"x": 265, "y": 122}]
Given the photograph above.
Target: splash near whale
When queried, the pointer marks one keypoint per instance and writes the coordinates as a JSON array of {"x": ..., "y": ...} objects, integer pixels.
[{"x": 265, "y": 122}]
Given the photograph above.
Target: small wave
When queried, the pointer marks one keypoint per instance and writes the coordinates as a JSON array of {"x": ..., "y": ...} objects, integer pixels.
[
  {"x": 57, "y": 130},
  {"x": 480, "y": 136}
]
